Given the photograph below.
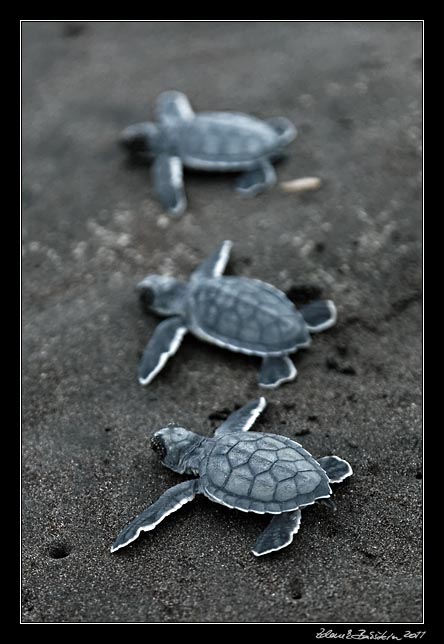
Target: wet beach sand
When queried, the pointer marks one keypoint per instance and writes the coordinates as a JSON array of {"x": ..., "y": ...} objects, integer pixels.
[{"x": 92, "y": 229}]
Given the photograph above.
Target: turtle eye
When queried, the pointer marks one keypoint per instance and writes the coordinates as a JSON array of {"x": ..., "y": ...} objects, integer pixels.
[{"x": 158, "y": 446}]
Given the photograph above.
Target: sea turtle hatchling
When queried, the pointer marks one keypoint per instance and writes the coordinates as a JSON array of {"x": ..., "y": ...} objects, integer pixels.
[
  {"x": 252, "y": 472},
  {"x": 240, "y": 314},
  {"x": 210, "y": 141}
]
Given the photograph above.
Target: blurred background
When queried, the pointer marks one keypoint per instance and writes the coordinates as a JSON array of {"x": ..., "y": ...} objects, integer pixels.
[{"x": 92, "y": 228}]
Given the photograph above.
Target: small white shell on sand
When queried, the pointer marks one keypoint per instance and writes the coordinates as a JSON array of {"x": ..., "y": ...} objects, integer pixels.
[
  {"x": 301, "y": 185},
  {"x": 163, "y": 221}
]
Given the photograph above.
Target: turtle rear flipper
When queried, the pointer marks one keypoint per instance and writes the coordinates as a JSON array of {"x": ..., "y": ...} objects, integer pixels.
[
  {"x": 275, "y": 371},
  {"x": 163, "y": 344},
  {"x": 336, "y": 468},
  {"x": 255, "y": 181},
  {"x": 284, "y": 128},
  {"x": 168, "y": 183},
  {"x": 169, "y": 502},
  {"x": 319, "y": 315},
  {"x": 278, "y": 534}
]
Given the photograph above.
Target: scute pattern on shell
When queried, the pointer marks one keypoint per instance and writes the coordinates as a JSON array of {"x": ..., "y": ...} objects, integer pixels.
[
  {"x": 247, "y": 315},
  {"x": 224, "y": 138},
  {"x": 262, "y": 473}
]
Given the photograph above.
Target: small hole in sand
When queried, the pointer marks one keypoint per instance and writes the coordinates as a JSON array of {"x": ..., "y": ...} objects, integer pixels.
[
  {"x": 296, "y": 588},
  {"x": 59, "y": 551}
]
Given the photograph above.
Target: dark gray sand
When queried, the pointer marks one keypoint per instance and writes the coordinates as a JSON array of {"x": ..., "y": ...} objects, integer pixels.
[{"x": 92, "y": 229}]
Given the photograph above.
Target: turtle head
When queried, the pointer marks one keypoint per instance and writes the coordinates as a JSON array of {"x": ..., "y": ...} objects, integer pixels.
[
  {"x": 141, "y": 140},
  {"x": 177, "y": 447},
  {"x": 162, "y": 294}
]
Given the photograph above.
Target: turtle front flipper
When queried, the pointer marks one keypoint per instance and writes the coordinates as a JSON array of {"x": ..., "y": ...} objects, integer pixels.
[
  {"x": 319, "y": 315},
  {"x": 276, "y": 370},
  {"x": 278, "y": 534},
  {"x": 336, "y": 468},
  {"x": 242, "y": 419},
  {"x": 169, "y": 502},
  {"x": 163, "y": 344},
  {"x": 257, "y": 180},
  {"x": 215, "y": 263},
  {"x": 173, "y": 108},
  {"x": 168, "y": 183}
]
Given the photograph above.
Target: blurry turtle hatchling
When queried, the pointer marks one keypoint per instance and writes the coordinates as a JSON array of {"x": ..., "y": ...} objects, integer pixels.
[
  {"x": 210, "y": 141},
  {"x": 236, "y": 313},
  {"x": 252, "y": 472}
]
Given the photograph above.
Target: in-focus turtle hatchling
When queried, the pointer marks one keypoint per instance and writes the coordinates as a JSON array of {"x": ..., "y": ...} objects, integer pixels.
[
  {"x": 210, "y": 141},
  {"x": 240, "y": 314},
  {"x": 252, "y": 472}
]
